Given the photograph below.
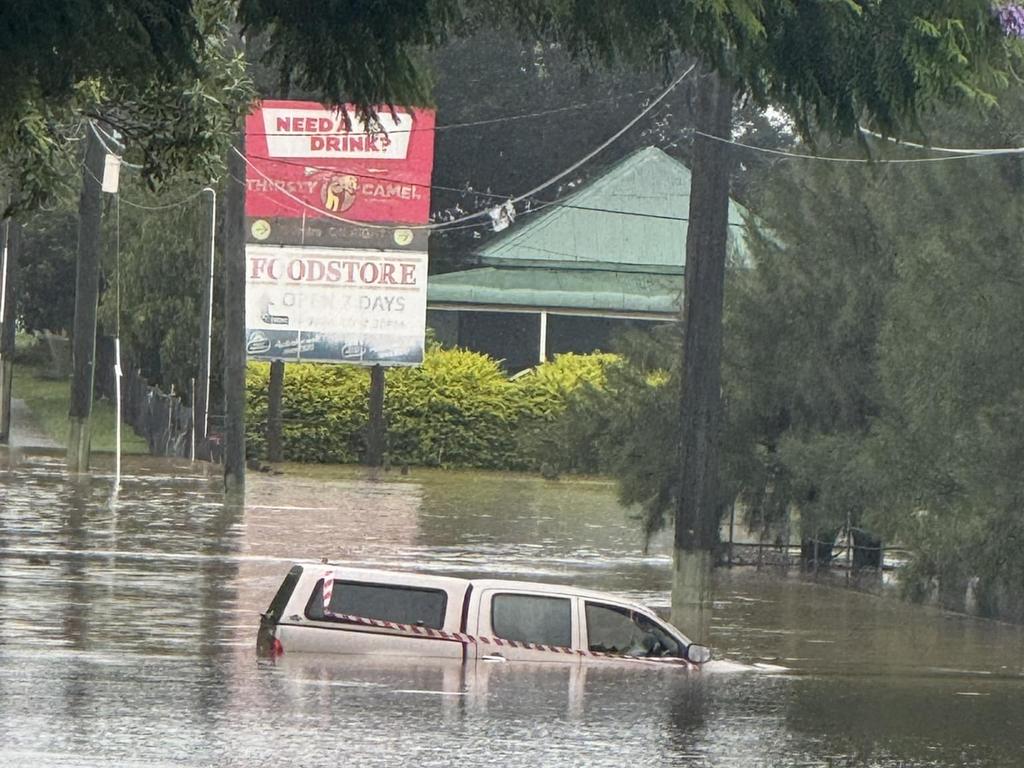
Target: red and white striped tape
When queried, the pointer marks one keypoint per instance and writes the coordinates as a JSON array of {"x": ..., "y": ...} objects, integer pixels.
[
  {"x": 497, "y": 642},
  {"x": 328, "y": 590}
]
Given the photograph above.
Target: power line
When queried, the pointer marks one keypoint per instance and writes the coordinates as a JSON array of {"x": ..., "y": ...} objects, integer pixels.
[
  {"x": 486, "y": 121},
  {"x": 177, "y": 204},
  {"x": 461, "y": 190},
  {"x": 984, "y": 151},
  {"x": 849, "y": 160},
  {"x": 478, "y": 214},
  {"x": 100, "y": 134}
]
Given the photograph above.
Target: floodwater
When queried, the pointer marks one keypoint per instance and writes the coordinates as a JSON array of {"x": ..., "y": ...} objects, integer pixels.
[{"x": 127, "y": 627}]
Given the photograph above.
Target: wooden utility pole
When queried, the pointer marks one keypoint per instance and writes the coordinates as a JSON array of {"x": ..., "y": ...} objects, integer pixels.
[
  {"x": 696, "y": 519},
  {"x": 375, "y": 433},
  {"x": 275, "y": 395},
  {"x": 87, "y": 291},
  {"x": 11, "y": 249},
  {"x": 234, "y": 320}
]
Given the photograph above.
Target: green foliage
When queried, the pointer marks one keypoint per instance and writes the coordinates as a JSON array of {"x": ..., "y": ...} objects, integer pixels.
[
  {"x": 831, "y": 64},
  {"x": 164, "y": 75},
  {"x": 456, "y": 410},
  {"x": 559, "y": 411},
  {"x": 323, "y": 411},
  {"x": 545, "y": 389},
  {"x": 624, "y": 422},
  {"x": 48, "y": 48},
  {"x": 155, "y": 270},
  {"x": 800, "y": 361},
  {"x": 47, "y": 400},
  {"x": 46, "y": 272},
  {"x": 873, "y": 358}
]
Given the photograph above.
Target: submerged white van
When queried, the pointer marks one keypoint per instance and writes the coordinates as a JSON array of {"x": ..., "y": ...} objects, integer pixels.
[{"x": 334, "y": 609}]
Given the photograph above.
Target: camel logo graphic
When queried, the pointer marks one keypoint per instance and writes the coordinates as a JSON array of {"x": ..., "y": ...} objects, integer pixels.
[{"x": 339, "y": 193}]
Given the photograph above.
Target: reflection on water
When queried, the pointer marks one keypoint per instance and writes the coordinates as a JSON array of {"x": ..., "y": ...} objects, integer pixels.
[{"x": 127, "y": 627}]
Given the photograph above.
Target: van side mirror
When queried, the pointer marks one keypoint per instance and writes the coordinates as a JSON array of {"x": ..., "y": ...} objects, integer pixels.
[{"x": 698, "y": 654}]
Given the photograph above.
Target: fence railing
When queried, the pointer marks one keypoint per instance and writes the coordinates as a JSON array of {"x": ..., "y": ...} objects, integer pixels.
[
  {"x": 162, "y": 418},
  {"x": 857, "y": 557}
]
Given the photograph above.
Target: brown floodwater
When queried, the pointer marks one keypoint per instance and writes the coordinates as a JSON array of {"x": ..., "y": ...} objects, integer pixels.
[{"x": 128, "y": 620}]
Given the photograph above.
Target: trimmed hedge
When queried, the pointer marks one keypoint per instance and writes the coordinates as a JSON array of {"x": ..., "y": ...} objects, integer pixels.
[{"x": 458, "y": 409}]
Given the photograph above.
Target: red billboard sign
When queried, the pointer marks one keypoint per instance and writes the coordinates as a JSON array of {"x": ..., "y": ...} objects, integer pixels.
[{"x": 307, "y": 161}]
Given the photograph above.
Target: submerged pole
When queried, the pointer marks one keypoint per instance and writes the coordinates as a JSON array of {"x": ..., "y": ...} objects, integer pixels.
[
  {"x": 8, "y": 283},
  {"x": 234, "y": 320},
  {"x": 87, "y": 290},
  {"x": 698, "y": 505},
  {"x": 201, "y": 399}
]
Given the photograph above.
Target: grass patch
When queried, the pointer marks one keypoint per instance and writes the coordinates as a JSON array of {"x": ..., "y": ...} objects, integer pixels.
[{"x": 48, "y": 400}]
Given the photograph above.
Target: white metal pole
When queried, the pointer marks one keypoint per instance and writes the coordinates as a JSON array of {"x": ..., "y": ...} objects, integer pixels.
[
  {"x": 3, "y": 278},
  {"x": 543, "y": 336},
  {"x": 208, "y": 341},
  {"x": 192, "y": 455},
  {"x": 117, "y": 411}
]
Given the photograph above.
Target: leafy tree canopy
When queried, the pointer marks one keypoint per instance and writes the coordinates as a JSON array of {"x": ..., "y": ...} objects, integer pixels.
[
  {"x": 830, "y": 63},
  {"x": 163, "y": 74}
]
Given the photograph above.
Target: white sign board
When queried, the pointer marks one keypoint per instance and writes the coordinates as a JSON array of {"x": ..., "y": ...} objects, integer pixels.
[
  {"x": 306, "y": 132},
  {"x": 335, "y": 305}
]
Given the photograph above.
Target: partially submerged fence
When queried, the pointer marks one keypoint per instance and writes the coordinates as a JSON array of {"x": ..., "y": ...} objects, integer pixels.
[
  {"x": 848, "y": 547},
  {"x": 163, "y": 419}
]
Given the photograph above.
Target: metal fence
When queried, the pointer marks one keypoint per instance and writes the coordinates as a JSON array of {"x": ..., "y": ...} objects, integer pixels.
[{"x": 162, "y": 418}]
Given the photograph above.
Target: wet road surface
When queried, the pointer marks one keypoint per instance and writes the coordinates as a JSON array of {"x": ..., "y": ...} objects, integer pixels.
[{"x": 127, "y": 626}]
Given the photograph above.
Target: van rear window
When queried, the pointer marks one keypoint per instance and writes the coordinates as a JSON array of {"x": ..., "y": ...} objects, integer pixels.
[{"x": 387, "y": 602}]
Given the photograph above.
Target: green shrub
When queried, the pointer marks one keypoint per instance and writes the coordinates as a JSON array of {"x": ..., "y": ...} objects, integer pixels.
[
  {"x": 323, "y": 411},
  {"x": 458, "y": 409},
  {"x": 551, "y": 397}
]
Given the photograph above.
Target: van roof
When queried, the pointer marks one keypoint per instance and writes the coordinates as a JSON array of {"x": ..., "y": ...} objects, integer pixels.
[{"x": 456, "y": 583}]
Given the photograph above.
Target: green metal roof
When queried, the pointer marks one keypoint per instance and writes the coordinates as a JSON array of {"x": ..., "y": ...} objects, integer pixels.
[
  {"x": 630, "y": 217},
  {"x": 615, "y": 246},
  {"x": 539, "y": 288}
]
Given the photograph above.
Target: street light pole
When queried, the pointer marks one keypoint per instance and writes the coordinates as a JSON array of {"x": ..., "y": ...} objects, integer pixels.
[{"x": 202, "y": 394}]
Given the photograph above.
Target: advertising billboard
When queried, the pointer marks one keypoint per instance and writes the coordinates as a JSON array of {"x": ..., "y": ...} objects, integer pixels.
[
  {"x": 315, "y": 174},
  {"x": 336, "y": 268},
  {"x": 335, "y": 305}
]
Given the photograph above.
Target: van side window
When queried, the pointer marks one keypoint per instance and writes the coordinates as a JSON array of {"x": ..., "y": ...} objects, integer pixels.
[
  {"x": 387, "y": 602},
  {"x": 612, "y": 629},
  {"x": 532, "y": 619}
]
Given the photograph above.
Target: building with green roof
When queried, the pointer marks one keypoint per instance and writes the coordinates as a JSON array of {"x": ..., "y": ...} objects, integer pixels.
[{"x": 564, "y": 278}]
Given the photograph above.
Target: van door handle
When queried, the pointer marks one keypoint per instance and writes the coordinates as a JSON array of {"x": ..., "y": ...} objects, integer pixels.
[{"x": 493, "y": 657}]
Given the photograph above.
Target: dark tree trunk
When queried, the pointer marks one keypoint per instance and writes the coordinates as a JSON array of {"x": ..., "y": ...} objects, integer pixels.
[
  {"x": 275, "y": 394},
  {"x": 87, "y": 286},
  {"x": 697, "y": 513},
  {"x": 13, "y": 240},
  {"x": 234, "y": 320}
]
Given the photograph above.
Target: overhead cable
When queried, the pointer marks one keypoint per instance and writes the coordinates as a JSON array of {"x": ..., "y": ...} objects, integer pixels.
[
  {"x": 481, "y": 213},
  {"x": 954, "y": 154},
  {"x": 984, "y": 151},
  {"x": 494, "y": 120}
]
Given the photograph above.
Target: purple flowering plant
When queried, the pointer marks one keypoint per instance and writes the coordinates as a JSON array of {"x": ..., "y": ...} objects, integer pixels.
[{"x": 1011, "y": 19}]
